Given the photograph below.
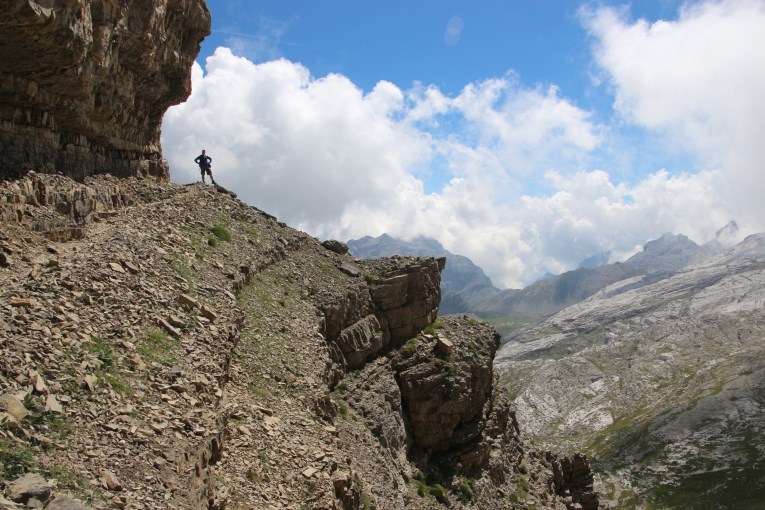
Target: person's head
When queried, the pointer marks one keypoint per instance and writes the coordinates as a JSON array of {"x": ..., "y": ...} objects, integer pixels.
[{"x": 203, "y": 151}]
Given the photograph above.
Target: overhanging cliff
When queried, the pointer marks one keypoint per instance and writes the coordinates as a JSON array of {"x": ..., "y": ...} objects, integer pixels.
[{"x": 84, "y": 83}]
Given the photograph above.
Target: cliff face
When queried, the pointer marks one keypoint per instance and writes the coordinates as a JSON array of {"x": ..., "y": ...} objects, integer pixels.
[
  {"x": 84, "y": 83},
  {"x": 167, "y": 346}
]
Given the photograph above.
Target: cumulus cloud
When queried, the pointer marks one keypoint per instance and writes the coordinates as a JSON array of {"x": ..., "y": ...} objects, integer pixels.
[
  {"x": 515, "y": 191},
  {"x": 699, "y": 80}
]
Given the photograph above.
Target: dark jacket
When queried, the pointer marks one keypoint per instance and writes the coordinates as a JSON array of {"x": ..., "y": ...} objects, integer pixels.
[{"x": 203, "y": 160}]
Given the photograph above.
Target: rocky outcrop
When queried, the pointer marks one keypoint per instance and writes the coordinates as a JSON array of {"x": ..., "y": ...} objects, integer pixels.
[
  {"x": 406, "y": 293},
  {"x": 400, "y": 297},
  {"x": 84, "y": 84},
  {"x": 148, "y": 363},
  {"x": 55, "y": 208},
  {"x": 448, "y": 396},
  {"x": 574, "y": 481}
]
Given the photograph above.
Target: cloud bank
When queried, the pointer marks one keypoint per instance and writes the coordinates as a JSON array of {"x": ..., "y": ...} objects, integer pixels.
[{"x": 501, "y": 172}]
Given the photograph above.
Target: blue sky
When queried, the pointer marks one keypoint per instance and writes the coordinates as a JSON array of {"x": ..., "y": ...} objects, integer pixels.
[{"x": 526, "y": 135}]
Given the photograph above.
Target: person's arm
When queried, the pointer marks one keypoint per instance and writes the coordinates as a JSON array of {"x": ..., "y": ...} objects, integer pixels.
[{"x": 196, "y": 160}]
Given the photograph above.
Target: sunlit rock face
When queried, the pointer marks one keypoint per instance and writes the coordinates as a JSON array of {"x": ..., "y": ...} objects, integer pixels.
[{"x": 84, "y": 83}]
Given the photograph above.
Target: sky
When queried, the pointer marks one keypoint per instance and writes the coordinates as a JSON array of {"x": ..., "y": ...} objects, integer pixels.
[{"x": 525, "y": 135}]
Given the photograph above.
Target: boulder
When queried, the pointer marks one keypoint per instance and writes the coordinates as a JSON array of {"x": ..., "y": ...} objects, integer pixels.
[
  {"x": 335, "y": 246},
  {"x": 29, "y": 486}
]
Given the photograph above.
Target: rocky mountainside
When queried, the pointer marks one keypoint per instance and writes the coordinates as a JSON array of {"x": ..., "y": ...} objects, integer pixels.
[
  {"x": 166, "y": 346},
  {"x": 663, "y": 382},
  {"x": 467, "y": 289},
  {"x": 463, "y": 284},
  {"x": 659, "y": 258},
  {"x": 84, "y": 84}
]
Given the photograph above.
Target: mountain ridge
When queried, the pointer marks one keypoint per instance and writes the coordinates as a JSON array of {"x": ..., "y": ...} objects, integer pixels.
[
  {"x": 467, "y": 289},
  {"x": 660, "y": 379},
  {"x": 169, "y": 346}
]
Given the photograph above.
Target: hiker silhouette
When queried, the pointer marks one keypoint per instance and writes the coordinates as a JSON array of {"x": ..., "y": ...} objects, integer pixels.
[{"x": 205, "y": 165}]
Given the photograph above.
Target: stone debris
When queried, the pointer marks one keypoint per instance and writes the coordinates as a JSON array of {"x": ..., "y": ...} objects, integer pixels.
[{"x": 252, "y": 374}]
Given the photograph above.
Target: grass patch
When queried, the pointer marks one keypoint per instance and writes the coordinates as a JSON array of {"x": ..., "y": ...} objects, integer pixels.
[
  {"x": 101, "y": 348},
  {"x": 65, "y": 477},
  {"x": 251, "y": 233},
  {"x": 182, "y": 267},
  {"x": 158, "y": 347},
  {"x": 40, "y": 418},
  {"x": 15, "y": 459},
  {"x": 410, "y": 348},
  {"x": 221, "y": 233},
  {"x": 431, "y": 329},
  {"x": 430, "y": 487},
  {"x": 449, "y": 369},
  {"x": 466, "y": 490}
]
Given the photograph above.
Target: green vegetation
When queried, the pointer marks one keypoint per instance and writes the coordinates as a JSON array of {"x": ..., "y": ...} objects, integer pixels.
[
  {"x": 65, "y": 477},
  {"x": 221, "y": 233},
  {"x": 466, "y": 491},
  {"x": 366, "y": 502},
  {"x": 157, "y": 346},
  {"x": 101, "y": 348},
  {"x": 251, "y": 233},
  {"x": 410, "y": 348},
  {"x": 16, "y": 459},
  {"x": 40, "y": 418},
  {"x": 437, "y": 491},
  {"x": 182, "y": 267},
  {"x": 449, "y": 369},
  {"x": 430, "y": 487},
  {"x": 431, "y": 329}
]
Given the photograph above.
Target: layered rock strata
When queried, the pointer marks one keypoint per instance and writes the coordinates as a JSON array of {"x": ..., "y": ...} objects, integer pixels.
[
  {"x": 149, "y": 363},
  {"x": 84, "y": 84}
]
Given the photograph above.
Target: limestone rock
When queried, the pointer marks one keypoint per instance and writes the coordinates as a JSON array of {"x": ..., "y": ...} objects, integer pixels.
[
  {"x": 29, "y": 486},
  {"x": 335, "y": 246},
  {"x": 84, "y": 84},
  {"x": 66, "y": 503},
  {"x": 446, "y": 397}
]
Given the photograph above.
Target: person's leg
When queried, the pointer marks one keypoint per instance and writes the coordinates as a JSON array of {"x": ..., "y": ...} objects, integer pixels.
[{"x": 203, "y": 173}]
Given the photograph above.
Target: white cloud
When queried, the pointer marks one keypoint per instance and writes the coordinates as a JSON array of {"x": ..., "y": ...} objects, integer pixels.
[
  {"x": 700, "y": 80},
  {"x": 335, "y": 161}
]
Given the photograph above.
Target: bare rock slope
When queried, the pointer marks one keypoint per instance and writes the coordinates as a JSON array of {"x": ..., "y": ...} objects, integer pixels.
[
  {"x": 84, "y": 84},
  {"x": 662, "y": 382},
  {"x": 166, "y": 346}
]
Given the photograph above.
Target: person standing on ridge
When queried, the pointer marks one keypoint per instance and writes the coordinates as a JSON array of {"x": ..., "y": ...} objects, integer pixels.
[{"x": 205, "y": 162}]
